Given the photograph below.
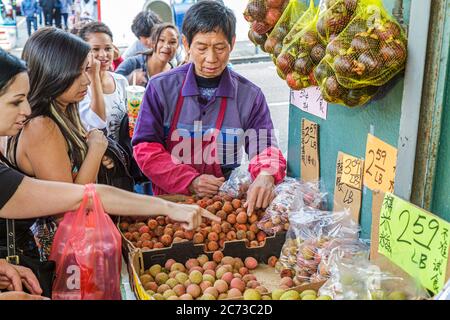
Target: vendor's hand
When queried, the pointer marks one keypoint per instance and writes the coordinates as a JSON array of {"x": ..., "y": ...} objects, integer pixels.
[
  {"x": 206, "y": 185},
  {"x": 190, "y": 216},
  {"x": 19, "y": 295},
  {"x": 107, "y": 162},
  {"x": 97, "y": 141},
  {"x": 9, "y": 277},
  {"x": 260, "y": 193}
]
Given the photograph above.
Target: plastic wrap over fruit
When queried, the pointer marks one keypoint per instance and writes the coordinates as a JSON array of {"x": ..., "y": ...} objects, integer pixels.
[
  {"x": 332, "y": 91},
  {"x": 291, "y": 195},
  {"x": 299, "y": 57},
  {"x": 371, "y": 50},
  {"x": 293, "y": 12},
  {"x": 334, "y": 17},
  {"x": 238, "y": 183},
  {"x": 357, "y": 278}
]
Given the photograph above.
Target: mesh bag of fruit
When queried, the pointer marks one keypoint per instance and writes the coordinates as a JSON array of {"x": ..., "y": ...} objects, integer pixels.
[
  {"x": 264, "y": 14},
  {"x": 334, "y": 17},
  {"x": 357, "y": 278},
  {"x": 291, "y": 195},
  {"x": 333, "y": 91},
  {"x": 291, "y": 14},
  {"x": 371, "y": 50},
  {"x": 299, "y": 57}
]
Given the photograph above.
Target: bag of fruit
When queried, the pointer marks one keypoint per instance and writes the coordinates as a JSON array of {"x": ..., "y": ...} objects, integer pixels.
[
  {"x": 334, "y": 17},
  {"x": 357, "y": 278},
  {"x": 291, "y": 196},
  {"x": 291, "y": 14},
  {"x": 332, "y": 91},
  {"x": 299, "y": 57},
  {"x": 264, "y": 14},
  {"x": 371, "y": 50}
]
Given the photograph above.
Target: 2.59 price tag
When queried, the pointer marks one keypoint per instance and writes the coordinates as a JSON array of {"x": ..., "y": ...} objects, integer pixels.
[
  {"x": 415, "y": 240},
  {"x": 380, "y": 165}
]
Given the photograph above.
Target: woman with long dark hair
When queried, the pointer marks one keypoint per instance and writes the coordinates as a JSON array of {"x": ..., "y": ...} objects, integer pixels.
[{"x": 53, "y": 144}]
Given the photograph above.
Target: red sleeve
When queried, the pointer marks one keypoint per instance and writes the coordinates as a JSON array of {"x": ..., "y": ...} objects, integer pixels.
[
  {"x": 270, "y": 160},
  {"x": 157, "y": 164},
  {"x": 116, "y": 63}
]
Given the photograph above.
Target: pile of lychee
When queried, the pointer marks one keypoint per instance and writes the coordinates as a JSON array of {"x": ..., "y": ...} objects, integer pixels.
[
  {"x": 223, "y": 277},
  {"x": 161, "y": 232}
]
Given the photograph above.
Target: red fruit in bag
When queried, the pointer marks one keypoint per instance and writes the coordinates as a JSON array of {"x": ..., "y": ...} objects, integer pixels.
[
  {"x": 261, "y": 27},
  {"x": 275, "y": 3},
  {"x": 293, "y": 80},
  {"x": 272, "y": 17}
]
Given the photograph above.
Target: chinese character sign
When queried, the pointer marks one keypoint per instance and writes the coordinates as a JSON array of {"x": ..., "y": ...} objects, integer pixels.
[
  {"x": 310, "y": 100},
  {"x": 310, "y": 166},
  {"x": 415, "y": 240}
]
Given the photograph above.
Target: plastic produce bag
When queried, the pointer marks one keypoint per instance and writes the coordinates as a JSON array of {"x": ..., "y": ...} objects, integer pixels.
[
  {"x": 274, "y": 42},
  {"x": 238, "y": 183},
  {"x": 334, "y": 17},
  {"x": 311, "y": 230},
  {"x": 333, "y": 92},
  {"x": 371, "y": 50},
  {"x": 299, "y": 57},
  {"x": 291, "y": 195},
  {"x": 358, "y": 279},
  {"x": 87, "y": 252}
]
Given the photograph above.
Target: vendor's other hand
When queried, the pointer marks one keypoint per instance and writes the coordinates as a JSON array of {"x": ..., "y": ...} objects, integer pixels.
[
  {"x": 19, "y": 295},
  {"x": 260, "y": 193},
  {"x": 107, "y": 162},
  {"x": 190, "y": 216},
  {"x": 206, "y": 185}
]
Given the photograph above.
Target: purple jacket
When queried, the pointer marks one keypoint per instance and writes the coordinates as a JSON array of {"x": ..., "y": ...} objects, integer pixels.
[{"x": 247, "y": 109}]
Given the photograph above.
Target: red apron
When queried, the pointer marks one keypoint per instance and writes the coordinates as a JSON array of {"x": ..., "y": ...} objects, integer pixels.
[{"x": 212, "y": 165}]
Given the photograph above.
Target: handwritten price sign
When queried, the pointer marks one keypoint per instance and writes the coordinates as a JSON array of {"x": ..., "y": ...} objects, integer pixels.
[
  {"x": 310, "y": 100},
  {"x": 415, "y": 240},
  {"x": 352, "y": 171},
  {"x": 380, "y": 165},
  {"x": 347, "y": 196},
  {"x": 310, "y": 165}
]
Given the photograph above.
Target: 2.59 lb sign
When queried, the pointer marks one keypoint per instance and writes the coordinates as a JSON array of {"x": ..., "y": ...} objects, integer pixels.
[{"x": 415, "y": 240}]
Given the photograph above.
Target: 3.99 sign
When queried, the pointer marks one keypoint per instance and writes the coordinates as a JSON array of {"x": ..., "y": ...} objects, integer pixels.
[{"x": 415, "y": 240}]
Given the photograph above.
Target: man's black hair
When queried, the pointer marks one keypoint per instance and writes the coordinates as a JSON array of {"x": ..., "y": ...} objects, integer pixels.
[
  {"x": 208, "y": 16},
  {"x": 144, "y": 22}
]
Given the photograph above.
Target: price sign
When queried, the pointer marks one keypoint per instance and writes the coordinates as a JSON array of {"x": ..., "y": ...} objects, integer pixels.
[
  {"x": 310, "y": 166},
  {"x": 415, "y": 240},
  {"x": 352, "y": 171},
  {"x": 346, "y": 196},
  {"x": 380, "y": 165},
  {"x": 310, "y": 100}
]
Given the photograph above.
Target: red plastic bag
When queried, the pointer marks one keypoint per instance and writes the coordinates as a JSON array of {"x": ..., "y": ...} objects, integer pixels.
[{"x": 87, "y": 252}]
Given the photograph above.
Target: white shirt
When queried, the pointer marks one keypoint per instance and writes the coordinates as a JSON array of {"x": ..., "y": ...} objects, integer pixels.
[{"x": 115, "y": 107}]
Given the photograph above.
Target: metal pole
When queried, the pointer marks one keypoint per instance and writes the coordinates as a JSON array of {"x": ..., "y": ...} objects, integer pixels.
[{"x": 412, "y": 97}]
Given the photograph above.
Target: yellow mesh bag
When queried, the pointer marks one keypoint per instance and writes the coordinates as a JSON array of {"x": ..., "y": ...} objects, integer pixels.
[
  {"x": 264, "y": 14},
  {"x": 334, "y": 92},
  {"x": 371, "y": 50},
  {"x": 293, "y": 12},
  {"x": 299, "y": 57},
  {"x": 334, "y": 16}
]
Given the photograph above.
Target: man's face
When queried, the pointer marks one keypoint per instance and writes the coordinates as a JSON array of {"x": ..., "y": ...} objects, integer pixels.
[{"x": 210, "y": 53}]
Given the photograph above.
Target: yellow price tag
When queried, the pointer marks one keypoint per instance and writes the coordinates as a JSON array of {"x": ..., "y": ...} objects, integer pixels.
[
  {"x": 380, "y": 165},
  {"x": 415, "y": 240}
]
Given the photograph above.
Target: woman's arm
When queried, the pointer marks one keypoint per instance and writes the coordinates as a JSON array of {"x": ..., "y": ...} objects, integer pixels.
[
  {"x": 97, "y": 104},
  {"x": 36, "y": 198}
]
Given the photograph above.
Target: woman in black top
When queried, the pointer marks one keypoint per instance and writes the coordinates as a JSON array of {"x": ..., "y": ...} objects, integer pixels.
[{"x": 26, "y": 198}]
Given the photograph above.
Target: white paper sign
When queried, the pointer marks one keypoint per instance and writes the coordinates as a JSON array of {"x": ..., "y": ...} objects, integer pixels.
[{"x": 310, "y": 100}]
